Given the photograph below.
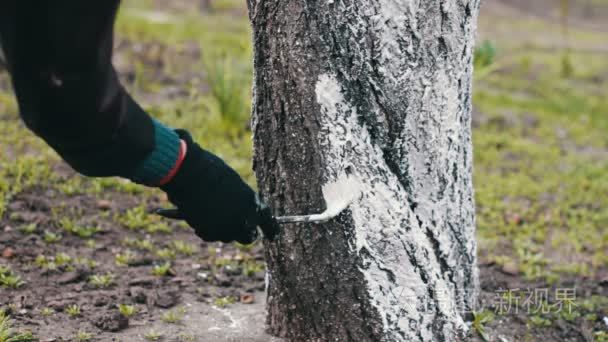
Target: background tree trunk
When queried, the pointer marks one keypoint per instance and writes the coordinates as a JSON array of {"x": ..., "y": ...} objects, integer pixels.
[
  {"x": 2, "y": 62},
  {"x": 381, "y": 91}
]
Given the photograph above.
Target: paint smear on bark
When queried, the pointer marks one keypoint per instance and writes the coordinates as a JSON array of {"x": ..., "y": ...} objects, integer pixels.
[{"x": 387, "y": 236}]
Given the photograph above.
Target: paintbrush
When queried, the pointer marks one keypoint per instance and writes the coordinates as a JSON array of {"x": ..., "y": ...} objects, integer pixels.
[{"x": 338, "y": 195}]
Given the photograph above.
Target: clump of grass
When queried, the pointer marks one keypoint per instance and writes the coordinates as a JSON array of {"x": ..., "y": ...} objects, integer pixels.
[
  {"x": 7, "y": 334},
  {"x": 143, "y": 244},
  {"x": 601, "y": 336},
  {"x": 47, "y": 312},
  {"x": 229, "y": 89},
  {"x": 539, "y": 322},
  {"x": 29, "y": 229},
  {"x": 62, "y": 259},
  {"x": 127, "y": 310},
  {"x": 153, "y": 335},
  {"x": 252, "y": 267},
  {"x": 224, "y": 301},
  {"x": 86, "y": 232},
  {"x": 183, "y": 247},
  {"x": 102, "y": 280},
  {"x": 166, "y": 254},
  {"x": 159, "y": 227},
  {"x": 8, "y": 279},
  {"x": 83, "y": 336},
  {"x": 480, "y": 319},
  {"x": 50, "y": 237},
  {"x": 484, "y": 54},
  {"x": 161, "y": 270},
  {"x": 45, "y": 263},
  {"x": 73, "y": 310},
  {"x": 137, "y": 218},
  {"x": 90, "y": 263},
  {"x": 174, "y": 316},
  {"x": 124, "y": 259}
]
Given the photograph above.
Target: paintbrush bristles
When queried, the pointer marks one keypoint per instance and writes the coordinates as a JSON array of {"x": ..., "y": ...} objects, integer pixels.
[{"x": 338, "y": 196}]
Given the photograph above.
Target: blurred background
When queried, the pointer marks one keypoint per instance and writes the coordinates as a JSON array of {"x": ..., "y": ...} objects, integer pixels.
[{"x": 540, "y": 126}]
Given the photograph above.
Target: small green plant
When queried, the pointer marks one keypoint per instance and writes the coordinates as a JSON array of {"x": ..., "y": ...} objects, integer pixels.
[
  {"x": 224, "y": 301},
  {"x": 83, "y": 336},
  {"x": 91, "y": 244},
  {"x": 90, "y": 263},
  {"x": 252, "y": 267},
  {"x": 50, "y": 237},
  {"x": 161, "y": 270},
  {"x": 143, "y": 244},
  {"x": 86, "y": 232},
  {"x": 480, "y": 319},
  {"x": 124, "y": 259},
  {"x": 29, "y": 229},
  {"x": 159, "y": 227},
  {"x": 600, "y": 336},
  {"x": 67, "y": 224},
  {"x": 166, "y": 254},
  {"x": 8, "y": 279},
  {"x": 136, "y": 218},
  {"x": 102, "y": 280},
  {"x": 62, "y": 259},
  {"x": 153, "y": 335},
  {"x": 484, "y": 54},
  {"x": 567, "y": 67},
  {"x": 570, "y": 315},
  {"x": 45, "y": 263},
  {"x": 174, "y": 316},
  {"x": 7, "y": 334},
  {"x": 73, "y": 310},
  {"x": 228, "y": 89},
  {"x": 538, "y": 321},
  {"x": 47, "y": 312},
  {"x": 183, "y": 248},
  {"x": 41, "y": 261},
  {"x": 127, "y": 310}
]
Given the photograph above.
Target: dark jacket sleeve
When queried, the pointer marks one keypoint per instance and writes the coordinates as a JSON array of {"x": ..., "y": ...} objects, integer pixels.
[{"x": 59, "y": 54}]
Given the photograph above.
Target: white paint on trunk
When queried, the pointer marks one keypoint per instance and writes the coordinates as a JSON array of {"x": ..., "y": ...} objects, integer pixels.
[{"x": 383, "y": 221}]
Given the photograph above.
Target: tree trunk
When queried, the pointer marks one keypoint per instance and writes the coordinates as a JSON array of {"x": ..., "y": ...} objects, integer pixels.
[{"x": 381, "y": 92}]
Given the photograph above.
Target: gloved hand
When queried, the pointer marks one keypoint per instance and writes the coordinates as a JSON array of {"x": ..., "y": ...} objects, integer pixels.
[{"x": 214, "y": 200}]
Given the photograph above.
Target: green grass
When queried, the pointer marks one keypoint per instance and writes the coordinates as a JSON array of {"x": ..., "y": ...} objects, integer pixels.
[
  {"x": 174, "y": 316},
  {"x": 83, "y": 336},
  {"x": 9, "y": 279},
  {"x": 102, "y": 280},
  {"x": 8, "y": 334},
  {"x": 162, "y": 269},
  {"x": 73, "y": 311},
  {"x": 541, "y": 160},
  {"x": 127, "y": 310}
]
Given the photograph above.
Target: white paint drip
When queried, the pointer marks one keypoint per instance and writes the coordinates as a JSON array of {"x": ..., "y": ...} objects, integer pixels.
[{"x": 382, "y": 220}]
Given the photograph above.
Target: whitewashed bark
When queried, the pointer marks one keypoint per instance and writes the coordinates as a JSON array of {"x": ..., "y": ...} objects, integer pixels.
[{"x": 379, "y": 91}]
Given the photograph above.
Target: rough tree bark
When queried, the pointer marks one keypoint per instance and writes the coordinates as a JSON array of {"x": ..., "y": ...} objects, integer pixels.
[{"x": 380, "y": 91}]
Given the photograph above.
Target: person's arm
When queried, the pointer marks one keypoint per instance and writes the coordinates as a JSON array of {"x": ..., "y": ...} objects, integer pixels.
[{"x": 59, "y": 56}]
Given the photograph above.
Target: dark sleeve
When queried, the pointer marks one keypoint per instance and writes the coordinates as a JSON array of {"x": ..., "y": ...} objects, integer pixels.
[{"x": 59, "y": 56}]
